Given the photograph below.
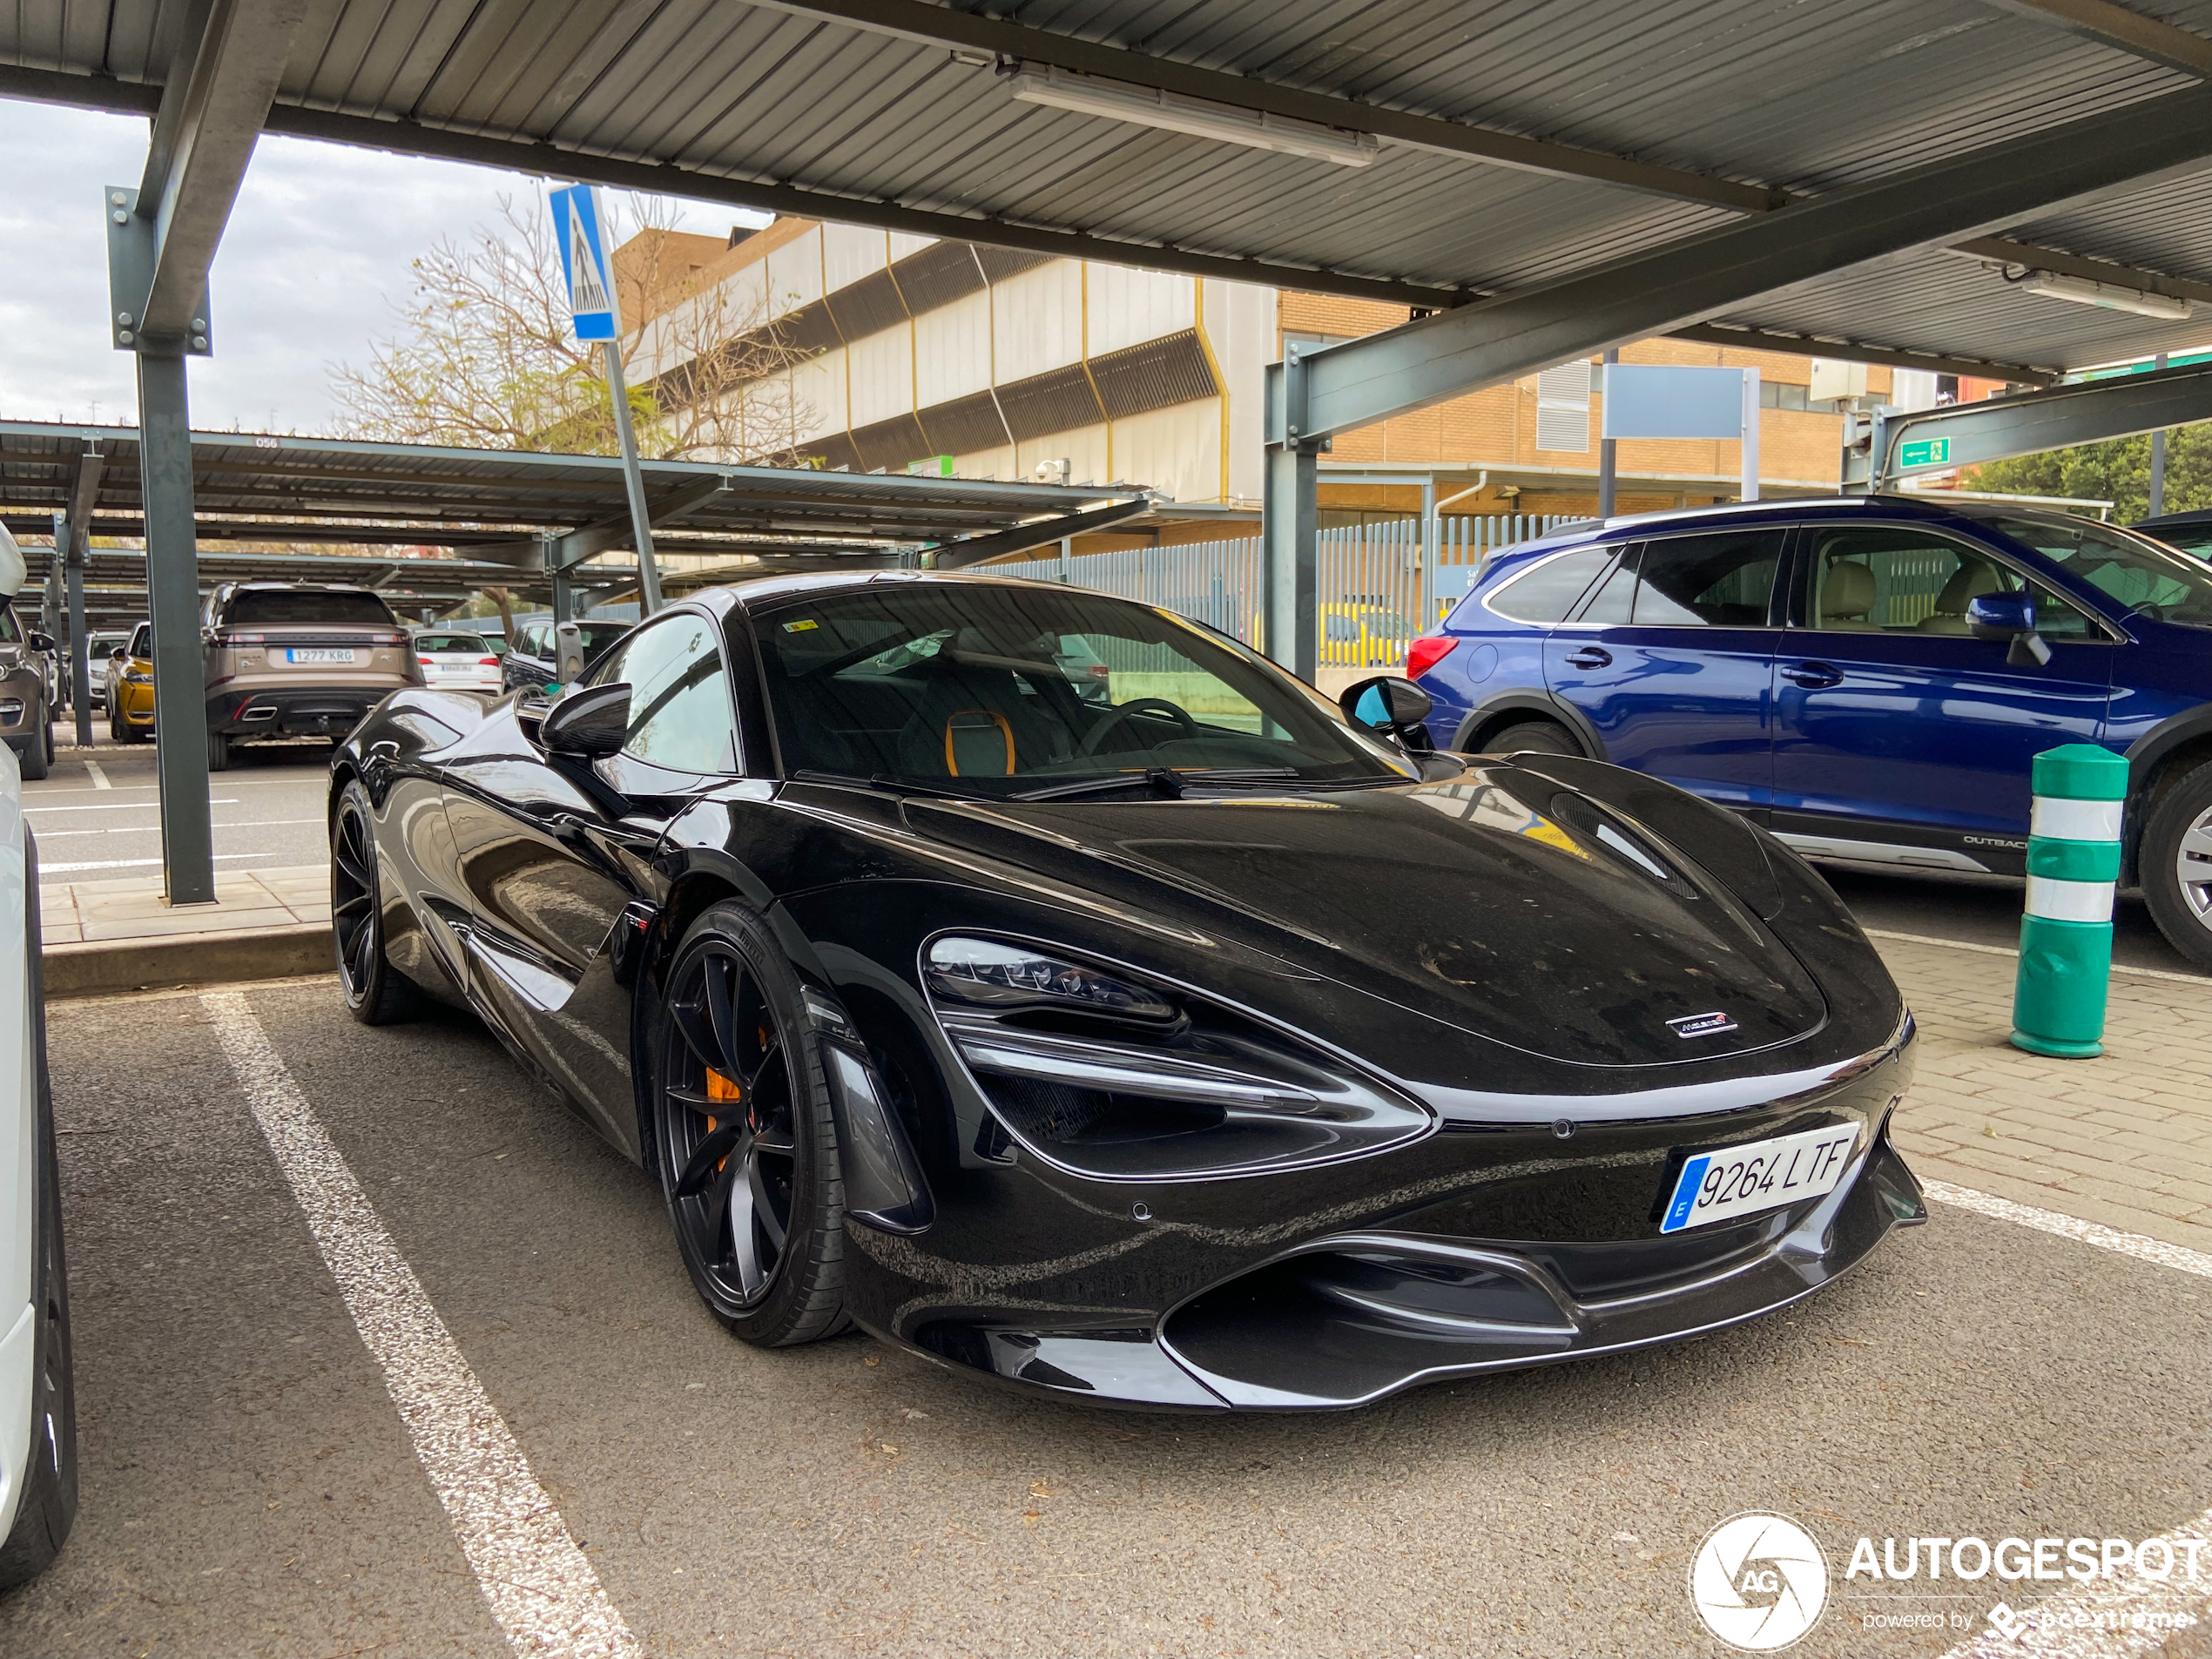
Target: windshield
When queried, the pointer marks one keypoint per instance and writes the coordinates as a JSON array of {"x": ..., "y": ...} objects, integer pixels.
[
  {"x": 2142, "y": 576},
  {"x": 2190, "y": 538},
  {"x": 473, "y": 644},
  {"x": 275, "y": 607},
  {"x": 1014, "y": 690}
]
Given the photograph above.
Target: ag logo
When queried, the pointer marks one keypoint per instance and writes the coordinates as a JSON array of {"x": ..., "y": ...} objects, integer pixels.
[{"x": 1759, "y": 1582}]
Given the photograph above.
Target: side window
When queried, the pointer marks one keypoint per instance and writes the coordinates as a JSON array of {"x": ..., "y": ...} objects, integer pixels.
[
  {"x": 1902, "y": 579},
  {"x": 680, "y": 715},
  {"x": 1615, "y": 600},
  {"x": 1721, "y": 580},
  {"x": 1549, "y": 592},
  {"x": 142, "y": 641}
]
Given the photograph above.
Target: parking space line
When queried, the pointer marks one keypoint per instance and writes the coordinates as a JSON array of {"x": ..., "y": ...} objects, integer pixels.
[
  {"x": 124, "y": 864},
  {"x": 541, "y": 1588},
  {"x": 99, "y": 778},
  {"x": 2004, "y": 950},
  {"x": 2140, "y": 1246}
]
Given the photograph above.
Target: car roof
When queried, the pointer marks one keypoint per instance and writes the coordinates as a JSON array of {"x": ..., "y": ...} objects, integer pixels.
[{"x": 2171, "y": 521}]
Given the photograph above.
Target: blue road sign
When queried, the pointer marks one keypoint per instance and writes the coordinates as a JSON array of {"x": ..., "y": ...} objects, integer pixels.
[{"x": 578, "y": 227}]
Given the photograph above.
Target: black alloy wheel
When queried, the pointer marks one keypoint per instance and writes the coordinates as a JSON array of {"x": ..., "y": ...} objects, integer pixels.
[
  {"x": 376, "y": 993},
  {"x": 742, "y": 1137},
  {"x": 218, "y": 751}
]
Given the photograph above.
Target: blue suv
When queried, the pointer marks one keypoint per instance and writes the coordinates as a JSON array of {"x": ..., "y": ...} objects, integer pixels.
[{"x": 1868, "y": 677}]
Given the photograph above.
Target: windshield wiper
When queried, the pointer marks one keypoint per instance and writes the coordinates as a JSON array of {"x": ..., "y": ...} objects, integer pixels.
[
  {"x": 882, "y": 781},
  {"x": 1162, "y": 780}
]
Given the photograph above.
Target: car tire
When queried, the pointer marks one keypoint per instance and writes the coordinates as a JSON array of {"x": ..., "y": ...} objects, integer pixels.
[
  {"x": 375, "y": 992},
  {"x": 1532, "y": 736},
  {"x": 38, "y": 754},
  {"x": 2176, "y": 880},
  {"x": 761, "y": 1227},
  {"x": 47, "y": 1508},
  {"x": 218, "y": 751}
]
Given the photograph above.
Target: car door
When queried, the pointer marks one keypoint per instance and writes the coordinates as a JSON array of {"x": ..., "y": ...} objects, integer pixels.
[
  {"x": 552, "y": 852},
  {"x": 1899, "y": 735},
  {"x": 1671, "y": 659}
]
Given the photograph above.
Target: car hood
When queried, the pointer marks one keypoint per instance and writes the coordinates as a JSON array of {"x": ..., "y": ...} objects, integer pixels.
[{"x": 1500, "y": 903}]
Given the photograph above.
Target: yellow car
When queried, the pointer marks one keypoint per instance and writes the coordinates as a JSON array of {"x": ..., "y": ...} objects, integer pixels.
[{"x": 130, "y": 688}]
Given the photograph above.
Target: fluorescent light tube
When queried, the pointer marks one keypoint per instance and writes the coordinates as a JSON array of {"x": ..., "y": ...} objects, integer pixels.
[
  {"x": 1143, "y": 106},
  {"x": 2111, "y": 297}
]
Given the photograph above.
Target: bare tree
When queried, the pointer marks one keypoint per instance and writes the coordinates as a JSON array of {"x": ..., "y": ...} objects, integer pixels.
[{"x": 484, "y": 356}]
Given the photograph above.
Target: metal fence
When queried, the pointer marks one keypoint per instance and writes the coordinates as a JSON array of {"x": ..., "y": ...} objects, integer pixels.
[{"x": 1376, "y": 585}]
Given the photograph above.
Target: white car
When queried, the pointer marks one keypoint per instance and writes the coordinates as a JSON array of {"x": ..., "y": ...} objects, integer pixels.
[
  {"x": 455, "y": 661},
  {"x": 37, "y": 1397}
]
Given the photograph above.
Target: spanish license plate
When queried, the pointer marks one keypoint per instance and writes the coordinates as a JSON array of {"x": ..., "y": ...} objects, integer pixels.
[
  {"x": 297, "y": 655},
  {"x": 1759, "y": 1175}
]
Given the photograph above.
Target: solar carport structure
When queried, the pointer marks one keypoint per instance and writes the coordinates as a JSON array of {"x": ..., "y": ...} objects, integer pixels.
[{"x": 1913, "y": 182}]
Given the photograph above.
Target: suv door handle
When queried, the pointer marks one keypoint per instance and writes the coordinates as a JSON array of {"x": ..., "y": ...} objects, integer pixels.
[
  {"x": 1814, "y": 677},
  {"x": 1589, "y": 657}
]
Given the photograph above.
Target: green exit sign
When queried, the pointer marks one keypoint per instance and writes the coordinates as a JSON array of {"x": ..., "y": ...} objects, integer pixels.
[{"x": 1925, "y": 452}]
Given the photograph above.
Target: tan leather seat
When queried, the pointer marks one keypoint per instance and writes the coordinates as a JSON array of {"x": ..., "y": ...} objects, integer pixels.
[
  {"x": 1847, "y": 593},
  {"x": 1970, "y": 581}
]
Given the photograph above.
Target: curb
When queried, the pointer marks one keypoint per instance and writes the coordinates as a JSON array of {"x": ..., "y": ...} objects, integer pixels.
[{"x": 168, "y": 960}]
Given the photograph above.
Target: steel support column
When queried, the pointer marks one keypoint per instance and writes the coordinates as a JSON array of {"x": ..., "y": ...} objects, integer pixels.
[
  {"x": 1289, "y": 526},
  {"x": 172, "y": 602},
  {"x": 68, "y": 541}
]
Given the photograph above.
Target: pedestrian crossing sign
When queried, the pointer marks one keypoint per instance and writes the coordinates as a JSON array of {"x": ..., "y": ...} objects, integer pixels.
[{"x": 581, "y": 235}]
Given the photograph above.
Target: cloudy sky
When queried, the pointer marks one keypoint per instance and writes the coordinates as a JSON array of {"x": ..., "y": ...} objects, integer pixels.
[{"x": 313, "y": 263}]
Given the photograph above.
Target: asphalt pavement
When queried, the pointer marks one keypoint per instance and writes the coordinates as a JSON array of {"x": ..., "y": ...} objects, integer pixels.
[
  {"x": 249, "y": 1487},
  {"x": 97, "y": 814}
]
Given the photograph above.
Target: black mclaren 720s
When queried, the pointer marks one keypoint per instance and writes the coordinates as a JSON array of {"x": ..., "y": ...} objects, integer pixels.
[{"x": 1054, "y": 987}]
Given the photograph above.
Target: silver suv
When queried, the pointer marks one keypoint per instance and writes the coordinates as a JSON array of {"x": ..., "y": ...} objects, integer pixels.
[
  {"x": 290, "y": 659},
  {"x": 26, "y": 686}
]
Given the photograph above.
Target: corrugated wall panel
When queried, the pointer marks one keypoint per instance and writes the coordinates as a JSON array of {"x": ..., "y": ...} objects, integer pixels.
[
  {"x": 882, "y": 377},
  {"x": 1127, "y": 306},
  {"x": 953, "y": 349},
  {"x": 1038, "y": 320}
]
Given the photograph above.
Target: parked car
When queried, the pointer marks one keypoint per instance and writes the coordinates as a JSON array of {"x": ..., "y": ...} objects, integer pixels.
[
  {"x": 99, "y": 648},
  {"x": 292, "y": 659},
  {"x": 1869, "y": 676},
  {"x": 456, "y": 662},
  {"x": 128, "y": 687},
  {"x": 532, "y": 660},
  {"x": 38, "y": 1395},
  {"x": 2191, "y": 532},
  {"x": 1116, "y": 1051},
  {"x": 26, "y": 690}
]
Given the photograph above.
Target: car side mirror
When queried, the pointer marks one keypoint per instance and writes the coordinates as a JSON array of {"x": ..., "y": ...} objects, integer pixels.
[
  {"x": 590, "y": 725},
  {"x": 38, "y": 641},
  {"x": 119, "y": 655},
  {"x": 2009, "y": 617},
  {"x": 1393, "y": 706}
]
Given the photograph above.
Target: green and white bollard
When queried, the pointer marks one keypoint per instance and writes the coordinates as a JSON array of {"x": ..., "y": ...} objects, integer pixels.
[{"x": 2073, "y": 866}]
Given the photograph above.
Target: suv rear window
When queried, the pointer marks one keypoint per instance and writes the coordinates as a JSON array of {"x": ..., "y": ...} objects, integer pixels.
[
  {"x": 1549, "y": 592},
  {"x": 278, "y": 607}
]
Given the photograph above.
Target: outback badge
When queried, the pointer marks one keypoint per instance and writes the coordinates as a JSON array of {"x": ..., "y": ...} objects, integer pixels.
[{"x": 1701, "y": 1025}]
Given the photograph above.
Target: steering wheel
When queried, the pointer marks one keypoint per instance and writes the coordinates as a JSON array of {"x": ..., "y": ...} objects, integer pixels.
[{"x": 1095, "y": 737}]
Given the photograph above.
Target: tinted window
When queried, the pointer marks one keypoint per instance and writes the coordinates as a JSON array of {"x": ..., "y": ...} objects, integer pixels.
[
  {"x": 278, "y": 607},
  {"x": 1549, "y": 592},
  {"x": 2190, "y": 538},
  {"x": 1903, "y": 579},
  {"x": 1001, "y": 688},
  {"x": 473, "y": 643},
  {"x": 11, "y": 630},
  {"x": 1719, "y": 580},
  {"x": 142, "y": 641},
  {"x": 680, "y": 698}
]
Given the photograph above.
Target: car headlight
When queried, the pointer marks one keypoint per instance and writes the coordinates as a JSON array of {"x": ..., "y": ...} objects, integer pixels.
[
  {"x": 135, "y": 677},
  {"x": 992, "y": 975},
  {"x": 1114, "y": 1078}
]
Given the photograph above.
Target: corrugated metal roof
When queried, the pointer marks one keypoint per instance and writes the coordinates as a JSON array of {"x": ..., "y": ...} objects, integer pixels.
[
  {"x": 1795, "y": 95},
  {"x": 248, "y": 487}
]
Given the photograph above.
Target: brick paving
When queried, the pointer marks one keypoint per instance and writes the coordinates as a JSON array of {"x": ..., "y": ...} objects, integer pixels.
[{"x": 2125, "y": 1139}]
